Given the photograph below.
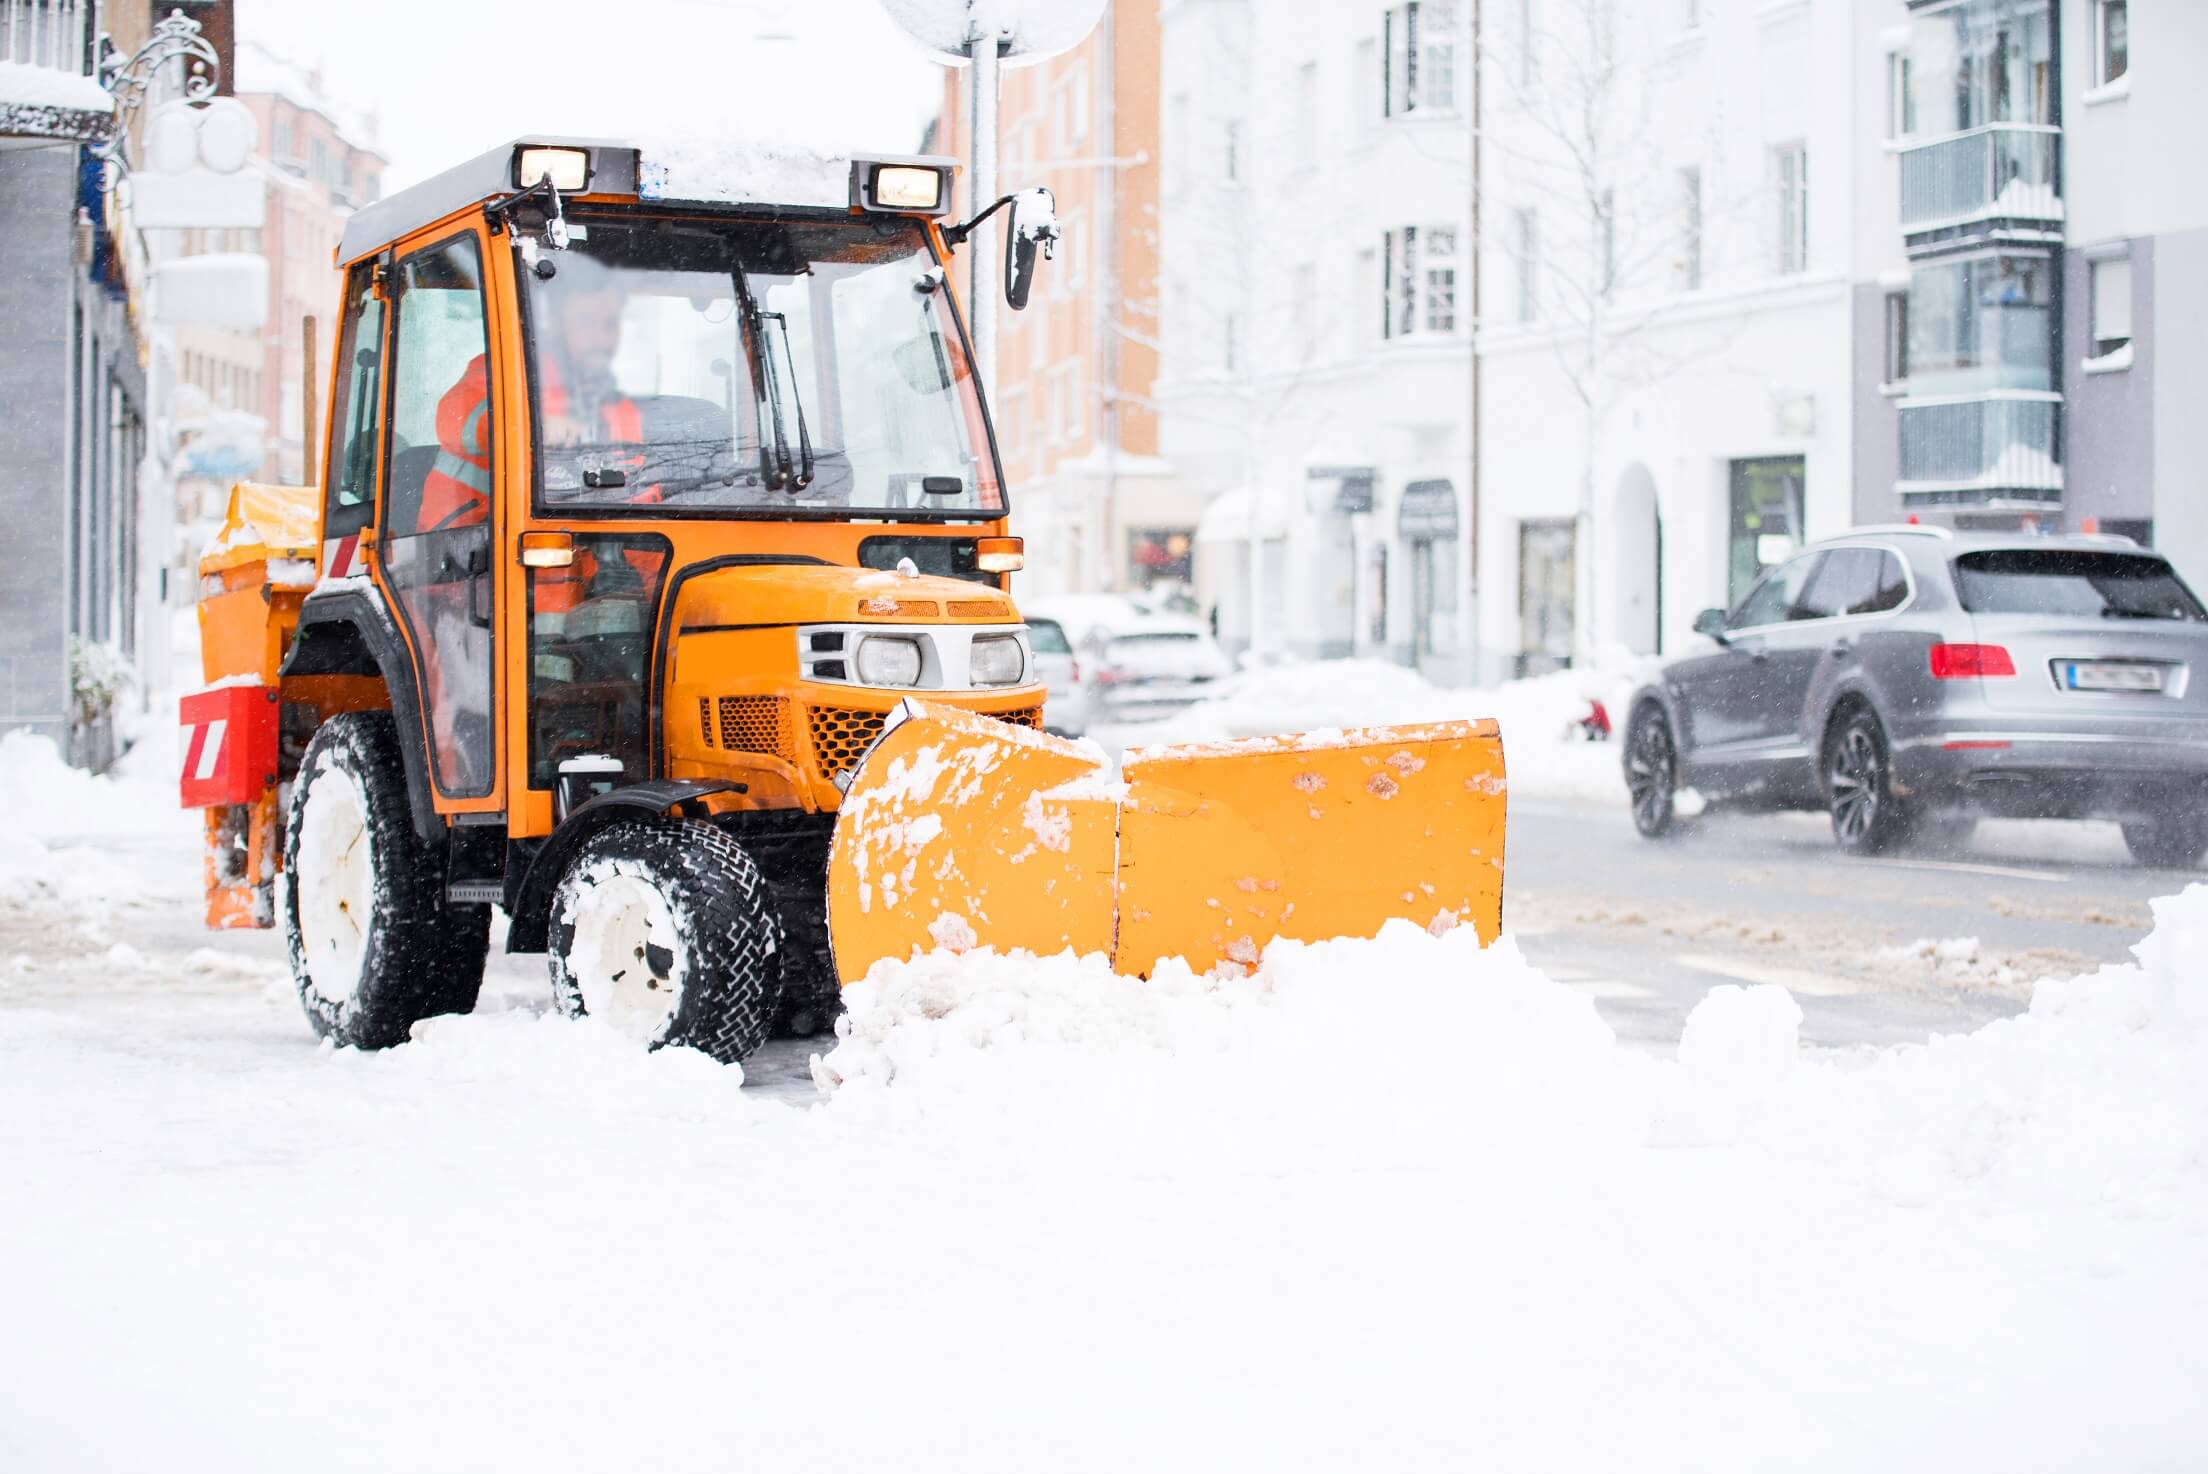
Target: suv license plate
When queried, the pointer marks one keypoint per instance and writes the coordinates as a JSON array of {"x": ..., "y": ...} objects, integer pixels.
[{"x": 2110, "y": 676}]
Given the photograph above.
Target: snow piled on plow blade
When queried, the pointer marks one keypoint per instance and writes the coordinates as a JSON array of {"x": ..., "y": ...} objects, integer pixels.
[{"x": 959, "y": 830}]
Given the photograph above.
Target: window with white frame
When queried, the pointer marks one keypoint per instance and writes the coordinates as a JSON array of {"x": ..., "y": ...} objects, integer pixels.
[
  {"x": 1054, "y": 411},
  {"x": 1177, "y": 141},
  {"x": 1901, "y": 98},
  {"x": 1525, "y": 247},
  {"x": 2111, "y": 41},
  {"x": 1303, "y": 125},
  {"x": 1072, "y": 408},
  {"x": 1366, "y": 93},
  {"x": 1303, "y": 295},
  {"x": 1897, "y": 337},
  {"x": 2111, "y": 304},
  {"x": 1419, "y": 280},
  {"x": 1606, "y": 223},
  {"x": 1690, "y": 229},
  {"x": 1418, "y": 57},
  {"x": 1790, "y": 177},
  {"x": 1069, "y": 270},
  {"x": 1011, "y": 421}
]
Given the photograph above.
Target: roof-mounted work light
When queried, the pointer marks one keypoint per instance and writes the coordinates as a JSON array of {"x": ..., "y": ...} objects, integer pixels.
[
  {"x": 567, "y": 168},
  {"x": 907, "y": 188}
]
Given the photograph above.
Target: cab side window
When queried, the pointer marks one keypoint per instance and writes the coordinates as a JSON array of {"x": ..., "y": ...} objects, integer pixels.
[{"x": 349, "y": 484}]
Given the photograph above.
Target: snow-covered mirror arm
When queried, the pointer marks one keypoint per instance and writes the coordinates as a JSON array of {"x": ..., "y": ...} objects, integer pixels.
[{"x": 1033, "y": 223}]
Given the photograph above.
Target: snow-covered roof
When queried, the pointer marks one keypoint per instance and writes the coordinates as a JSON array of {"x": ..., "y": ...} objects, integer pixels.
[{"x": 261, "y": 71}]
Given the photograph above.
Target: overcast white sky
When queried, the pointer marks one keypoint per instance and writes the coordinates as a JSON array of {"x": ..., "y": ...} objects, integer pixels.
[{"x": 447, "y": 79}]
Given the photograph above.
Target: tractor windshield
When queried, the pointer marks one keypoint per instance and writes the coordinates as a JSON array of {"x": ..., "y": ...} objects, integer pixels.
[{"x": 742, "y": 368}]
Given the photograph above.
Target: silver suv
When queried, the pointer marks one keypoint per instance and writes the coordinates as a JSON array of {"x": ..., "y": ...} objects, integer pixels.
[{"x": 1910, "y": 679}]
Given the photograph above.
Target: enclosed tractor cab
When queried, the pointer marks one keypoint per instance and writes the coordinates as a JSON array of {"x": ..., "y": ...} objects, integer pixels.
[{"x": 657, "y": 593}]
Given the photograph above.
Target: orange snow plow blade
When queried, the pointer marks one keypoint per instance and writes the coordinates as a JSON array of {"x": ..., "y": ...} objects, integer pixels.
[{"x": 960, "y": 831}]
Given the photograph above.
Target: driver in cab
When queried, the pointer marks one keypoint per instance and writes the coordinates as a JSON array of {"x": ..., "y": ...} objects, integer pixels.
[{"x": 580, "y": 400}]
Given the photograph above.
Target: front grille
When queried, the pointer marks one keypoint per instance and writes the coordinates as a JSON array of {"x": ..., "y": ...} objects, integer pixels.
[
  {"x": 1026, "y": 716},
  {"x": 841, "y": 735},
  {"x": 756, "y": 724}
]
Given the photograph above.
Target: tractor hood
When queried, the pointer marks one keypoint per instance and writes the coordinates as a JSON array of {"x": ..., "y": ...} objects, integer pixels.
[{"x": 766, "y": 595}]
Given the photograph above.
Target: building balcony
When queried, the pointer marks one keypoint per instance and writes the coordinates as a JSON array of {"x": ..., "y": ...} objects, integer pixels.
[
  {"x": 2000, "y": 173},
  {"x": 1986, "y": 450},
  {"x": 47, "y": 90}
]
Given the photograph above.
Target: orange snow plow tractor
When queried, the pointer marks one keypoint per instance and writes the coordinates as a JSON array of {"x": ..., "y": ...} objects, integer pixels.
[{"x": 656, "y": 593}]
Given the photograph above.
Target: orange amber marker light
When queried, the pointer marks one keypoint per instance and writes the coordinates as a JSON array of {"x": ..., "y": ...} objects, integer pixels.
[
  {"x": 547, "y": 550},
  {"x": 999, "y": 554}
]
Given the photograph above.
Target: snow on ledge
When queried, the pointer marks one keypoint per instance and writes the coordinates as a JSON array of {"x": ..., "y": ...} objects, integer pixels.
[
  {"x": 719, "y": 172},
  {"x": 27, "y": 86},
  {"x": 2115, "y": 361}
]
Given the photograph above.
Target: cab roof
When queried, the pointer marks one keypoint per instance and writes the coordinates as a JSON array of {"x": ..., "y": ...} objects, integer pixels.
[{"x": 689, "y": 171}]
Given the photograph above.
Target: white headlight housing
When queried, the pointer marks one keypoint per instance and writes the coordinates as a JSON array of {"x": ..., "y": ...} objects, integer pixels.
[
  {"x": 889, "y": 660},
  {"x": 998, "y": 660}
]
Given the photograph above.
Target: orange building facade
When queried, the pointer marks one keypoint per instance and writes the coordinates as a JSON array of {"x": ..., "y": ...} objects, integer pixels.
[{"x": 1073, "y": 404}]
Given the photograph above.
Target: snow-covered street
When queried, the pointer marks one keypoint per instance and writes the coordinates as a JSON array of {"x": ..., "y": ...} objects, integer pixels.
[{"x": 1396, "y": 1200}]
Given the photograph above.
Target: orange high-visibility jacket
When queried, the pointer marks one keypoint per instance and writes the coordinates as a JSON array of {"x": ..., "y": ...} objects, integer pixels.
[{"x": 457, "y": 492}]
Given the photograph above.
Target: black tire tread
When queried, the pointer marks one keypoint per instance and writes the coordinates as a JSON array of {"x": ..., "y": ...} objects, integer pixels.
[
  {"x": 733, "y": 982},
  {"x": 423, "y": 957}
]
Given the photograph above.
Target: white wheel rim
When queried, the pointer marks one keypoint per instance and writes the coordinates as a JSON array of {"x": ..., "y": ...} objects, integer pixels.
[
  {"x": 337, "y": 882},
  {"x": 626, "y": 958}
]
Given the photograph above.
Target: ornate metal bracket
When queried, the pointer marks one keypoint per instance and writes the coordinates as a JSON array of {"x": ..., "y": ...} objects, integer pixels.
[{"x": 176, "y": 38}]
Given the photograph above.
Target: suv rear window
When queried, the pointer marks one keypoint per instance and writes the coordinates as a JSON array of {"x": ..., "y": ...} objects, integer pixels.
[{"x": 2069, "y": 583}]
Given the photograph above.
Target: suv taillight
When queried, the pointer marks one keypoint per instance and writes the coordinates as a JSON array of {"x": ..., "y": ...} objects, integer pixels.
[{"x": 1964, "y": 662}]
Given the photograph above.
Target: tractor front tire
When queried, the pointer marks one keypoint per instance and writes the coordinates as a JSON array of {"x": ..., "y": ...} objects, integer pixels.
[
  {"x": 664, "y": 929},
  {"x": 374, "y": 947}
]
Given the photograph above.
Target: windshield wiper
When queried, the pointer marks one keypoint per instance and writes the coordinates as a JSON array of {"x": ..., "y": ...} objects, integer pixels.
[
  {"x": 776, "y": 472},
  {"x": 804, "y": 476}
]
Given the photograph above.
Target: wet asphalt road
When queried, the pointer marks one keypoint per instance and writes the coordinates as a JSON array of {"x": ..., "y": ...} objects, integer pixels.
[{"x": 1877, "y": 951}]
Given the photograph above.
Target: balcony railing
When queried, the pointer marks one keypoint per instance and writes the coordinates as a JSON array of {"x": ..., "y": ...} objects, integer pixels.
[
  {"x": 54, "y": 34},
  {"x": 1989, "y": 448},
  {"x": 46, "y": 84},
  {"x": 2004, "y": 171}
]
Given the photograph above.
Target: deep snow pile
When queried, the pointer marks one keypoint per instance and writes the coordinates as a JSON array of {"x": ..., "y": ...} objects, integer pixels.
[
  {"x": 71, "y": 834},
  {"x": 1389, "y": 1203},
  {"x": 1542, "y": 747}
]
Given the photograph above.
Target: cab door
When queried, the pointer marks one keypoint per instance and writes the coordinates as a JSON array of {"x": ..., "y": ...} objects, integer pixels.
[{"x": 439, "y": 507}]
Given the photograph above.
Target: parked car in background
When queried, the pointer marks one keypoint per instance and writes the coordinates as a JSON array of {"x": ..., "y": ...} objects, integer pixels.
[
  {"x": 1066, "y": 708},
  {"x": 1133, "y": 665},
  {"x": 1910, "y": 679}
]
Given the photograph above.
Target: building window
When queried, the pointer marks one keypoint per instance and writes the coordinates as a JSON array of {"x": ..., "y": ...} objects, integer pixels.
[
  {"x": 1901, "y": 101},
  {"x": 1230, "y": 343},
  {"x": 2111, "y": 41},
  {"x": 1012, "y": 421},
  {"x": 2111, "y": 304},
  {"x": 1304, "y": 137},
  {"x": 1230, "y": 151},
  {"x": 1367, "y": 90},
  {"x": 1982, "y": 323},
  {"x": 1418, "y": 57},
  {"x": 1897, "y": 337},
  {"x": 1526, "y": 249},
  {"x": 1606, "y": 223},
  {"x": 1420, "y": 276},
  {"x": 1072, "y": 405},
  {"x": 1690, "y": 229},
  {"x": 1790, "y": 165},
  {"x": 1069, "y": 270},
  {"x": 1177, "y": 142}
]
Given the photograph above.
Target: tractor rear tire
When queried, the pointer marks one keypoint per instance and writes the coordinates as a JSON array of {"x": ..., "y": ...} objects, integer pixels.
[
  {"x": 374, "y": 947},
  {"x": 665, "y": 929}
]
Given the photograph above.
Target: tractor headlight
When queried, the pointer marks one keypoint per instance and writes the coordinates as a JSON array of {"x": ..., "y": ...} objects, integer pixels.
[
  {"x": 998, "y": 661},
  {"x": 889, "y": 660}
]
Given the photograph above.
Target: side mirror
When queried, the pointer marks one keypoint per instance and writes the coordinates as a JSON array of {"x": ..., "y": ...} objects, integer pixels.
[
  {"x": 1711, "y": 622},
  {"x": 1031, "y": 223}
]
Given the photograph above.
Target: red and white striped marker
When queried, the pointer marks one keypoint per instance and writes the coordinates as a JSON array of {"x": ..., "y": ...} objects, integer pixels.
[
  {"x": 203, "y": 749},
  {"x": 341, "y": 557}
]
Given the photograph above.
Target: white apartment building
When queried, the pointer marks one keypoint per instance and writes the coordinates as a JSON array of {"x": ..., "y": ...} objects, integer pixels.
[
  {"x": 1315, "y": 347},
  {"x": 1668, "y": 243}
]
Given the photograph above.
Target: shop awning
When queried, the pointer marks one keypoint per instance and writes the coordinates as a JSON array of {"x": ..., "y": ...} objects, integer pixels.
[{"x": 1428, "y": 512}]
